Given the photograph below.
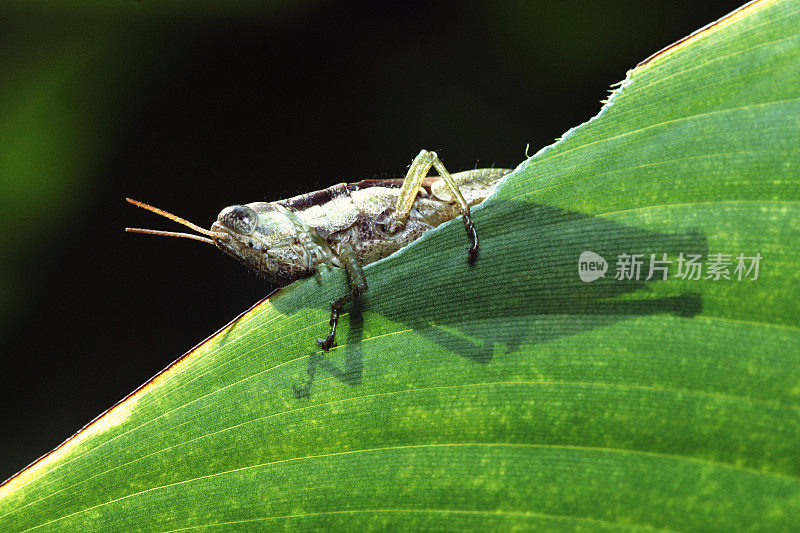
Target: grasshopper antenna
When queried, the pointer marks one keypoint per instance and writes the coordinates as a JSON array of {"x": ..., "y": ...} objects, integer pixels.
[
  {"x": 169, "y": 234},
  {"x": 174, "y": 218}
]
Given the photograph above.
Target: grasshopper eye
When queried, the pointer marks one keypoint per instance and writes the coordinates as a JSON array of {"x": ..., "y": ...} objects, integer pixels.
[{"x": 238, "y": 218}]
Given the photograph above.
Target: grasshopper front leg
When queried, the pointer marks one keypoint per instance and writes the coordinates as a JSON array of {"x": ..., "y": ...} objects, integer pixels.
[
  {"x": 358, "y": 286},
  {"x": 408, "y": 193}
]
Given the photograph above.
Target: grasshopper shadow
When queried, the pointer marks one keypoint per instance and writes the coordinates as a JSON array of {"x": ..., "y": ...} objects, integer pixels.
[{"x": 537, "y": 292}]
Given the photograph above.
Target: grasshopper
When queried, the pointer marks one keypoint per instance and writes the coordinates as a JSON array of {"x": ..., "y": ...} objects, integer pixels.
[{"x": 345, "y": 226}]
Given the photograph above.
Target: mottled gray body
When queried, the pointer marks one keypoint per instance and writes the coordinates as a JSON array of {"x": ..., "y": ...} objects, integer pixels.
[
  {"x": 291, "y": 239},
  {"x": 356, "y": 213}
]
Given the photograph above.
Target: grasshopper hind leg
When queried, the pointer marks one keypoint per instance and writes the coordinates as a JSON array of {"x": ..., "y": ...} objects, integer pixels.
[{"x": 419, "y": 168}]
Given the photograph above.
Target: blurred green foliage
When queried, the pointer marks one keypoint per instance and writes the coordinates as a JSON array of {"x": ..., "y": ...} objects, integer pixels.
[{"x": 70, "y": 72}]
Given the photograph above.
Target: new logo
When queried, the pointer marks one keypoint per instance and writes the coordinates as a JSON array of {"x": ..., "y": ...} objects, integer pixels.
[{"x": 591, "y": 266}]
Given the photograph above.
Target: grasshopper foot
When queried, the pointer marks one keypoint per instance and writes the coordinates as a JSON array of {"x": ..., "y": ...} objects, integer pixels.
[
  {"x": 329, "y": 342},
  {"x": 326, "y": 343},
  {"x": 473, "y": 237}
]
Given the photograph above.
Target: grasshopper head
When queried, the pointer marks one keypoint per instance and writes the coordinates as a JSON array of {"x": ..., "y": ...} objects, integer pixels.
[{"x": 267, "y": 238}]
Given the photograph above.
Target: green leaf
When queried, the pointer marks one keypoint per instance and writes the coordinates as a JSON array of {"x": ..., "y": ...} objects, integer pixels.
[{"x": 511, "y": 394}]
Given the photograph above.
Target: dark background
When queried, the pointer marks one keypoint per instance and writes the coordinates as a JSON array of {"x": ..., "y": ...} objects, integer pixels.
[{"x": 193, "y": 106}]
